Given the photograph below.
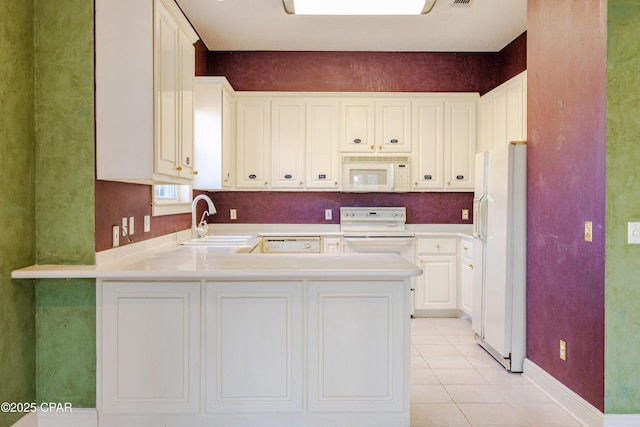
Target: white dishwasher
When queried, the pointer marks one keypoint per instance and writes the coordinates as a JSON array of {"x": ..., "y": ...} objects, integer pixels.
[{"x": 290, "y": 244}]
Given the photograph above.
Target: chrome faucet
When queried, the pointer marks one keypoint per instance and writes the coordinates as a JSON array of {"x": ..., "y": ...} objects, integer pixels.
[{"x": 200, "y": 229}]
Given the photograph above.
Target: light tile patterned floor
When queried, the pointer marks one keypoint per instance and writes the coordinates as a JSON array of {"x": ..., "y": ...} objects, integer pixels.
[{"x": 454, "y": 382}]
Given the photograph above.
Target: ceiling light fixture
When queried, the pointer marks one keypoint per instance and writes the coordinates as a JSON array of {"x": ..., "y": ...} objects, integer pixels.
[{"x": 358, "y": 7}]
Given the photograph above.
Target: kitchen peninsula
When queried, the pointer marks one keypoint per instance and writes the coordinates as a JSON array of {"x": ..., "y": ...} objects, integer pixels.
[{"x": 195, "y": 336}]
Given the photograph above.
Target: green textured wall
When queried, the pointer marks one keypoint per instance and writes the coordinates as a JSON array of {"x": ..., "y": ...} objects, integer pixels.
[
  {"x": 64, "y": 197},
  {"x": 622, "y": 318},
  {"x": 17, "y": 236}
]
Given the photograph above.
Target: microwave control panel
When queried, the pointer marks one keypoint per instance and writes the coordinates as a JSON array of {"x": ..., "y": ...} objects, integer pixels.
[{"x": 402, "y": 177}]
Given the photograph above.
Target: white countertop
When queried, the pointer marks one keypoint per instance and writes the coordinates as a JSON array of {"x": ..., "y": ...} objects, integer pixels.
[
  {"x": 163, "y": 258},
  {"x": 206, "y": 263}
]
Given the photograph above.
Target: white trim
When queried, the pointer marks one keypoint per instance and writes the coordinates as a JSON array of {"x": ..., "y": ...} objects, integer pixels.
[
  {"x": 582, "y": 410},
  {"x": 621, "y": 420},
  {"x": 29, "y": 420},
  {"x": 77, "y": 417}
]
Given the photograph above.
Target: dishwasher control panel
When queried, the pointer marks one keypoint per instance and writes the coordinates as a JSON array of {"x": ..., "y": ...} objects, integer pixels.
[{"x": 291, "y": 244}]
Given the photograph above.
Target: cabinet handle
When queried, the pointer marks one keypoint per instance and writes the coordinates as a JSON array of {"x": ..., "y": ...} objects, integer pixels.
[
  {"x": 322, "y": 176},
  {"x": 459, "y": 177},
  {"x": 428, "y": 177},
  {"x": 394, "y": 141},
  {"x": 357, "y": 141},
  {"x": 288, "y": 176},
  {"x": 252, "y": 176}
]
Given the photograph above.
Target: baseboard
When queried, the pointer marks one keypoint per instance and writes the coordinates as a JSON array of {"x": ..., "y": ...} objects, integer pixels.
[
  {"x": 77, "y": 417},
  {"x": 29, "y": 420},
  {"x": 621, "y": 420},
  {"x": 585, "y": 412}
]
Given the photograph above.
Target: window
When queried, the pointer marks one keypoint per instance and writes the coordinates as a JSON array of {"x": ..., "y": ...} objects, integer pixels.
[{"x": 170, "y": 199}]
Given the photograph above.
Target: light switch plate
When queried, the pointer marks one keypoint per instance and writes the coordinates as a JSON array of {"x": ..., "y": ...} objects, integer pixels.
[
  {"x": 328, "y": 214},
  {"x": 634, "y": 233},
  {"x": 115, "y": 236},
  {"x": 147, "y": 223}
]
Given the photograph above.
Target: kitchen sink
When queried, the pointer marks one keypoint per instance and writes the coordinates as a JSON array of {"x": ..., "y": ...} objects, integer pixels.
[{"x": 222, "y": 241}]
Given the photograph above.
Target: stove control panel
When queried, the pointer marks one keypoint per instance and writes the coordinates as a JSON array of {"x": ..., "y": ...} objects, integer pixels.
[{"x": 373, "y": 214}]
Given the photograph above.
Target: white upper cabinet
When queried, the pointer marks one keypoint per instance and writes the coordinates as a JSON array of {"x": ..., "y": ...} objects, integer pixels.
[
  {"x": 376, "y": 125},
  {"x": 428, "y": 160},
  {"x": 393, "y": 126},
  {"x": 288, "y": 143},
  {"x": 323, "y": 133},
  {"x": 357, "y": 125},
  {"x": 502, "y": 115},
  {"x": 253, "y": 143},
  {"x": 144, "y": 92},
  {"x": 459, "y": 144},
  {"x": 214, "y": 138}
]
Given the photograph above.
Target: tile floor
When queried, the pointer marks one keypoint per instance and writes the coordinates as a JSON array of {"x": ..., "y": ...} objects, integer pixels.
[{"x": 454, "y": 382}]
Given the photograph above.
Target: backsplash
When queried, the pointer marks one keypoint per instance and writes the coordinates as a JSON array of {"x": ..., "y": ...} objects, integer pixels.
[{"x": 270, "y": 207}]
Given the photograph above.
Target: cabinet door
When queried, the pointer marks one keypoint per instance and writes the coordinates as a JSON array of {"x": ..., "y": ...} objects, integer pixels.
[
  {"x": 253, "y": 148},
  {"x": 287, "y": 143},
  {"x": 466, "y": 285},
  {"x": 357, "y": 125},
  {"x": 166, "y": 75},
  {"x": 186, "y": 56},
  {"x": 485, "y": 123},
  {"x": 323, "y": 158},
  {"x": 228, "y": 139},
  {"x": 428, "y": 164},
  {"x": 253, "y": 350},
  {"x": 516, "y": 109},
  {"x": 355, "y": 340},
  {"x": 393, "y": 126},
  {"x": 149, "y": 334},
  {"x": 436, "y": 288},
  {"x": 460, "y": 144}
]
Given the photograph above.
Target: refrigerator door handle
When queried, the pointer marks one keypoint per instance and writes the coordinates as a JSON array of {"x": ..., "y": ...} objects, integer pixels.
[{"x": 479, "y": 217}]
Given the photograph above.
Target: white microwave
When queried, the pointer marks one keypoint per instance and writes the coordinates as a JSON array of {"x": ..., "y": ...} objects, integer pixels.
[{"x": 376, "y": 173}]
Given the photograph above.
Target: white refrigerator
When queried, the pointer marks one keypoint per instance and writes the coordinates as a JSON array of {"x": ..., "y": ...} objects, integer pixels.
[{"x": 499, "y": 229}]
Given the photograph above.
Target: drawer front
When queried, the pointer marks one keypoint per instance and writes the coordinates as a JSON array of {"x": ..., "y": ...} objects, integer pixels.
[
  {"x": 437, "y": 246},
  {"x": 467, "y": 248}
]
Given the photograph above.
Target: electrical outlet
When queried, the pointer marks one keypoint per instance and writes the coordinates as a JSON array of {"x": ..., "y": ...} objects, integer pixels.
[
  {"x": 147, "y": 223},
  {"x": 563, "y": 350},
  {"x": 131, "y": 226},
  {"x": 588, "y": 231},
  {"x": 115, "y": 236},
  {"x": 125, "y": 227},
  {"x": 328, "y": 214},
  {"x": 465, "y": 214},
  {"x": 233, "y": 214}
]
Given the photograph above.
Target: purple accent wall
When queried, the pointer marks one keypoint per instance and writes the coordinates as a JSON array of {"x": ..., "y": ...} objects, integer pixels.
[
  {"x": 358, "y": 71},
  {"x": 566, "y": 59},
  {"x": 308, "y": 207}
]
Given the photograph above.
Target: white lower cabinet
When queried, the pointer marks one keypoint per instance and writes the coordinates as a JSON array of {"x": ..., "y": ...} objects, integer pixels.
[
  {"x": 150, "y": 347},
  {"x": 435, "y": 290},
  {"x": 309, "y": 353},
  {"x": 253, "y": 347},
  {"x": 466, "y": 276}
]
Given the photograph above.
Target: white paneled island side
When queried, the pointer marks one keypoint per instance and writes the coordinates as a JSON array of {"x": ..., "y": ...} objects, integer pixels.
[{"x": 200, "y": 336}]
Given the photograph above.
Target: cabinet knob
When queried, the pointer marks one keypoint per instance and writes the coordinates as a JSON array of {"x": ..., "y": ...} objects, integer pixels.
[
  {"x": 335, "y": 182},
  {"x": 195, "y": 172},
  {"x": 373, "y": 148},
  {"x": 301, "y": 183},
  {"x": 179, "y": 168},
  {"x": 471, "y": 266},
  {"x": 266, "y": 183}
]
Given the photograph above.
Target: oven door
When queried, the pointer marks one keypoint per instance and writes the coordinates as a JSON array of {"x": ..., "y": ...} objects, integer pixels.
[{"x": 401, "y": 245}]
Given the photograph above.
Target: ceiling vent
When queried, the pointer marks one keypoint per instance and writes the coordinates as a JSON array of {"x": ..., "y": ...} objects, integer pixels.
[{"x": 461, "y": 3}]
